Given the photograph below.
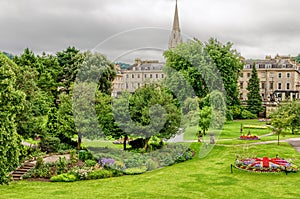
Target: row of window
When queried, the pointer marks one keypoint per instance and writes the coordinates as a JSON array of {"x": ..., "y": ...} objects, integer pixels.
[
  {"x": 249, "y": 66},
  {"x": 263, "y": 74},
  {"x": 145, "y": 76},
  {"x": 271, "y": 85}
]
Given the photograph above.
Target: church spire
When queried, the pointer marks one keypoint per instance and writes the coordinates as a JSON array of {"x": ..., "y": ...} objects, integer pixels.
[{"x": 175, "y": 37}]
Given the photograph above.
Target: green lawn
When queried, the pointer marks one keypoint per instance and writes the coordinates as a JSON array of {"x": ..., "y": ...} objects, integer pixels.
[{"x": 199, "y": 178}]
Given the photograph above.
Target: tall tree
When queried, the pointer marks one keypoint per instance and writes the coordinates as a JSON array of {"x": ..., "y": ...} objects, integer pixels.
[
  {"x": 229, "y": 64},
  {"x": 254, "y": 101},
  {"x": 11, "y": 103}
]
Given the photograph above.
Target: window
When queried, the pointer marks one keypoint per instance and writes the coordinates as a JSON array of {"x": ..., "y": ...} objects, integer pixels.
[
  {"x": 263, "y": 74},
  {"x": 145, "y": 75},
  {"x": 279, "y": 75},
  {"x": 138, "y": 75},
  {"x": 263, "y": 85},
  {"x": 287, "y": 86},
  {"x": 126, "y": 85},
  {"x": 248, "y": 74},
  {"x": 132, "y": 75},
  {"x": 288, "y": 75},
  {"x": 279, "y": 86},
  {"x": 127, "y": 76},
  {"x": 241, "y": 85},
  {"x": 242, "y": 75},
  {"x": 139, "y": 85},
  {"x": 271, "y": 74},
  {"x": 271, "y": 85},
  {"x": 150, "y": 75},
  {"x": 156, "y": 75},
  {"x": 162, "y": 75}
]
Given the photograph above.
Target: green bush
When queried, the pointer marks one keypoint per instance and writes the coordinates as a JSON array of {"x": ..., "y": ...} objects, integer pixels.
[
  {"x": 99, "y": 174},
  {"x": 50, "y": 144},
  {"x": 62, "y": 165},
  {"x": 64, "y": 178},
  {"x": 151, "y": 165},
  {"x": 73, "y": 156},
  {"x": 247, "y": 115},
  {"x": 90, "y": 163},
  {"x": 85, "y": 155}
]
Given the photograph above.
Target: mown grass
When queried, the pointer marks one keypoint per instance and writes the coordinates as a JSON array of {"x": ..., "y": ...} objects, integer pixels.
[{"x": 209, "y": 177}]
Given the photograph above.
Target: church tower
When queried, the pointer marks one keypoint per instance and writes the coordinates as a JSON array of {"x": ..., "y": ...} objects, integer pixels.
[{"x": 175, "y": 37}]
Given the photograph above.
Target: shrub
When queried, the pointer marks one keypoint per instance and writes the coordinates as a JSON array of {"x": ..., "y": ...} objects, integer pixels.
[
  {"x": 66, "y": 177},
  {"x": 62, "y": 165},
  {"x": 99, "y": 174},
  {"x": 247, "y": 115},
  {"x": 50, "y": 144},
  {"x": 90, "y": 163},
  {"x": 73, "y": 156},
  {"x": 85, "y": 155},
  {"x": 151, "y": 165},
  {"x": 39, "y": 162}
]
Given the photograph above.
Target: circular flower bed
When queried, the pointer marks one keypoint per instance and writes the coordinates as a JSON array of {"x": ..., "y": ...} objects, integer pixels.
[
  {"x": 265, "y": 164},
  {"x": 249, "y": 137}
]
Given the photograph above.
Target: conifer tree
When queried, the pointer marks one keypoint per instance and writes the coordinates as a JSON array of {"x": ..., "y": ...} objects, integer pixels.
[{"x": 254, "y": 101}]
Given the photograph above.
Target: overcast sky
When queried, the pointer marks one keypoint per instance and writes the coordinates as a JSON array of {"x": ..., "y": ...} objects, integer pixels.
[{"x": 115, "y": 27}]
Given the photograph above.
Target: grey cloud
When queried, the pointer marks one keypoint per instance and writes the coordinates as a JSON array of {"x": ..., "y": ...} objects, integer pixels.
[{"x": 256, "y": 27}]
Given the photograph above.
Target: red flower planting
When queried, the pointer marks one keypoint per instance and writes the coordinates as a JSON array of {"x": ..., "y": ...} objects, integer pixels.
[{"x": 265, "y": 164}]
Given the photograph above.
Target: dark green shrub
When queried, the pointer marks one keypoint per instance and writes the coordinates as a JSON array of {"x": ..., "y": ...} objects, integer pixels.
[
  {"x": 247, "y": 115},
  {"x": 90, "y": 163},
  {"x": 85, "y": 155},
  {"x": 50, "y": 144},
  {"x": 64, "y": 178}
]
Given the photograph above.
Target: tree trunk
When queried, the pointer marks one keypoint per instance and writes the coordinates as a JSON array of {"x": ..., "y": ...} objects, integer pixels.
[
  {"x": 146, "y": 143},
  {"x": 79, "y": 141},
  {"x": 124, "y": 142},
  {"x": 278, "y": 138}
]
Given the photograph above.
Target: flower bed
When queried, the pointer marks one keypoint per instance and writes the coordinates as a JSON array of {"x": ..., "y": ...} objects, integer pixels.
[
  {"x": 249, "y": 137},
  {"x": 266, "y": 164}
]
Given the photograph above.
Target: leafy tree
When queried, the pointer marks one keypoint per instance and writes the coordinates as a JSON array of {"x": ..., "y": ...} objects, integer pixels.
[
  {"x": 229, "y": 64},
  {"x": 281, "y": 119},
  {"x": 70, "y": 61},
  {"x": 31, "y": 121},
  {"x": 65, "y": 121},
  {"x": 254, "y": 101},
  {"x": 106, "y": 118},
  {"x": 192, "y": 62},
  {"x": 152, "y": 111},
  {"x": 96, "y": 73},
  {"x": 11, "y": 103}
]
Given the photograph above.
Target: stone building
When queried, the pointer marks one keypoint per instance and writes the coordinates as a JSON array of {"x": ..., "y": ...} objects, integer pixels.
[{"x": 279, "y": 78}]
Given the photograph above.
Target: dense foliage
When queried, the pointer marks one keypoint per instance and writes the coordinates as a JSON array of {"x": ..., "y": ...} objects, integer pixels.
[
  {"x": 11, "y": 103},
  {"x": 254, "y": 101}
]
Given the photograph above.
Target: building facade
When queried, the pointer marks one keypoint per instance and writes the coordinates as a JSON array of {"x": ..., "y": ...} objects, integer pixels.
[
  {"x": 137, "y": 75},
  {"x": 279, "y": 78}
]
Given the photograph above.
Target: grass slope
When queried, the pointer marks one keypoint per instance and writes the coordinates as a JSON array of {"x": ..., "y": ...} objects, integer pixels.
[{"x": 199, "y": 178}]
